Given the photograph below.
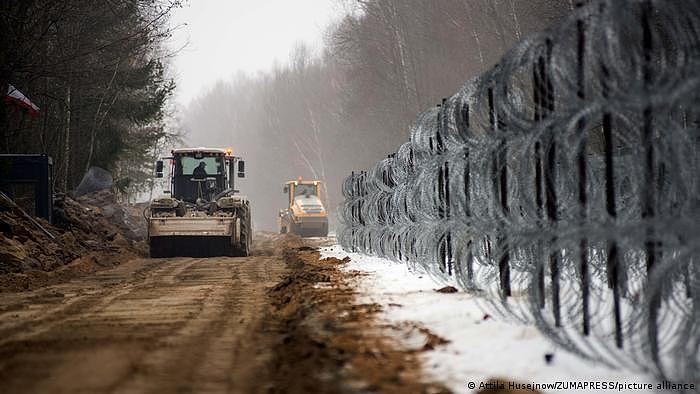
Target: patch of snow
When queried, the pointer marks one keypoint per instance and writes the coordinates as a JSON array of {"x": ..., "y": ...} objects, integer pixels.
[{"x": 479, "y": 348}]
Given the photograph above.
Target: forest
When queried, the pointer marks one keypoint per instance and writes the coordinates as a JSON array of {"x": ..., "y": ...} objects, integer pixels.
[
  {"x": 341, "y": 108},
  {"x": 97, "y": 71},
  {"x": 99, "y": 75}
]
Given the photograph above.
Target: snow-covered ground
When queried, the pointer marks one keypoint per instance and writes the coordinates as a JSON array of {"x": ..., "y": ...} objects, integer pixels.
[{"x": 478, "y": 349}]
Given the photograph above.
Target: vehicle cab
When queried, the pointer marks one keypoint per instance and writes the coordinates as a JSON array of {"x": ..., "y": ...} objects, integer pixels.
[{"x": 202, "y": 173}]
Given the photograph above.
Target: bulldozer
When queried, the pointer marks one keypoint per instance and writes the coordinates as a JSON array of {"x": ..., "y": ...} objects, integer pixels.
[
  {"x": 201, "y": 214},
  {"x": 305, "y": 214}
]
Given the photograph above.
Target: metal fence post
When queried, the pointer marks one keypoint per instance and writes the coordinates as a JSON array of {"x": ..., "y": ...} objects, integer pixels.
[
  {"x": 550, "y": 180},
  {"x": 650, "y": 184},
  {"x": 464, "y": 117},
  {"x": 610, "y": 202},
  {"x": 538, "y": 94},
  {"x": 582, "y": 179},
  {"x": 500, "y": 188}
]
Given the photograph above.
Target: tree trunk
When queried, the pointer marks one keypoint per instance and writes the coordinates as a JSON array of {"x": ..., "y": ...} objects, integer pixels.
[{"x": 66, "y": 143}]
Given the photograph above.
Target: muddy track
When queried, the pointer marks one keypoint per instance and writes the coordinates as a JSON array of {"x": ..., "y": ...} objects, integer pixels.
[
  {"x": 150, "y": 325},
  {"x": 280, "y": 321}
]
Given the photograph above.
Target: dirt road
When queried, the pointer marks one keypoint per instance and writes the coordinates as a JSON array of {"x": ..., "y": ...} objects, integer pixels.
[
  {"x": 270, "y": 323},
  {"x": 163, "y": 325}
]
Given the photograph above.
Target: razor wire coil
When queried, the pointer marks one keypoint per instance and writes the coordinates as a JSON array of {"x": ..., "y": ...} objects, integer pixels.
[{"x": 563, "y": 184}]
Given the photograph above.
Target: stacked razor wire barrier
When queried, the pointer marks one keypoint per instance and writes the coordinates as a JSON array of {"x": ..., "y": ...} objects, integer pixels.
[{"x": 564, "y": 185}]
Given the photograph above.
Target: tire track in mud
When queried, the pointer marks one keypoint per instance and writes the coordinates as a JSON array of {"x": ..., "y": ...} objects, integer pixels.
[
  {"x": 281, "y": 321},
  {"x": 145, "y": 326},
  {"x": 82, "y": 296}
]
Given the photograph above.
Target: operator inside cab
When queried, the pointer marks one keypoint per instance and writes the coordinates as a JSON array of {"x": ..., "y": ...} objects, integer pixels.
[
  {"x": 305, "y": 190},
  {"x": 198, "y": 175},
  {"x": 200, "y": 172}
]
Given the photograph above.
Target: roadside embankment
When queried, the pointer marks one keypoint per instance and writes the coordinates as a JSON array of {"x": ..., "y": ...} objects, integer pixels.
[
  {"x": 89, "y": 233},
  {"x": 327, "y": 341}
]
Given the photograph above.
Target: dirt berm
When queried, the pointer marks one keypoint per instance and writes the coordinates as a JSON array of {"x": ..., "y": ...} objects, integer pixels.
[
  {"x": 89, "y": 233},
  {"x": 326, "y": 341}
]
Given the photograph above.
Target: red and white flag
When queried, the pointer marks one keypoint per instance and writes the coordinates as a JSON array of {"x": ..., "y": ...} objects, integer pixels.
[{"x": 15, "y": 97}]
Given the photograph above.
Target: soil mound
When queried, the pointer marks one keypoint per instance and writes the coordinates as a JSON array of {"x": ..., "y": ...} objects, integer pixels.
[{"x": 89, "y": 232}]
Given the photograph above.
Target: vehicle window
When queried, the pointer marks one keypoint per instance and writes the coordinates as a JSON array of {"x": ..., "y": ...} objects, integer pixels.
[
  {"x": 187, "y": 165},
  {"x": 302, "y": 190}
]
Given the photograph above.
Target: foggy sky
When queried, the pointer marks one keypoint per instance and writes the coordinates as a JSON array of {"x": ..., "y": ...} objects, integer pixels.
[
  {"x": 321, "y": 116},
  {"x": 225, "y": 37}
]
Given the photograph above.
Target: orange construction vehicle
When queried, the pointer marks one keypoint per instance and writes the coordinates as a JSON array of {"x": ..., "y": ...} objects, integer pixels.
[{"x": 305, "y": 214}]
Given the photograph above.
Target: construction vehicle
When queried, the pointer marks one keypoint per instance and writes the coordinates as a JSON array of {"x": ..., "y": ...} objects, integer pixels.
[
  {"x": 202, "y": 214},
  {"x": 305, "y": 214}
]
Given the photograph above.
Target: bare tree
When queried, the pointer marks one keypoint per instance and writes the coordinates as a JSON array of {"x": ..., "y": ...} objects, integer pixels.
[{"x": 323, "y": 115}]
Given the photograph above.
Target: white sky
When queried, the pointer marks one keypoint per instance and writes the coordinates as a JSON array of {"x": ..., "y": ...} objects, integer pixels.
[{"x": 226, "y": 37}]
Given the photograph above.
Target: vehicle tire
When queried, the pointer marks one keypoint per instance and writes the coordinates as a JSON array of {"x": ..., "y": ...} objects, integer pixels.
[
  {"x": 244, "y": 246},
  {"x": 246, "y": 238},
  {"x": 249, "y": 228}
]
